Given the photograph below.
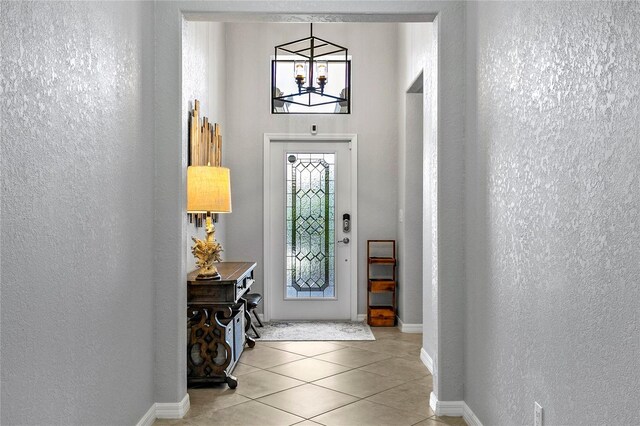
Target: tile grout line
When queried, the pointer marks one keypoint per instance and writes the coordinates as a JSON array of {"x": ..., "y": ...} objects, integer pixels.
[
  {"x": 273, "y": 393},
  {"x": 321, "y": 378},
  {"x": 309, "y": 383},
  {"x": 340, "y": 346},
  {"x": 350, "y": 369},
  {"x": 324, "y": 387},
  {"x": 288, "y": 412}
]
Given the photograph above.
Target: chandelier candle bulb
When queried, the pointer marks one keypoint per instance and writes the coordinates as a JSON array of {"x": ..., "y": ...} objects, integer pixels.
[
  {"x": 300, "y": 72},
  {"x": 322, "y": 72}
]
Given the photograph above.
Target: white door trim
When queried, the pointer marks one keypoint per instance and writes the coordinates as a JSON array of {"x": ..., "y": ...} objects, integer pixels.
[{"x": 352, "y": 140}]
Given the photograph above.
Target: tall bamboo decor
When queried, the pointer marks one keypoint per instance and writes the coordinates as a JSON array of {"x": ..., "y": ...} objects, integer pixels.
[{"x": 205, "y": 148}]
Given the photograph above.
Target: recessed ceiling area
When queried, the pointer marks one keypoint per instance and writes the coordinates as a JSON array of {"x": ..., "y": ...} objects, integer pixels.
[{"x": 302, "y": 17}]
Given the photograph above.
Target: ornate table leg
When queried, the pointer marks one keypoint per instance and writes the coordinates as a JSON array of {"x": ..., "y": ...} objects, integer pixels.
[
  {"x": 247, "y": 325},
  {"x": 250, "y": 341},
  {"x": 232, "y": 381},
  {"x": 209, "y": 353}
]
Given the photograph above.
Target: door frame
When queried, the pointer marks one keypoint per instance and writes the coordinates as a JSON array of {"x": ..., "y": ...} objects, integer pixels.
[{"x": 352, "y": 140}]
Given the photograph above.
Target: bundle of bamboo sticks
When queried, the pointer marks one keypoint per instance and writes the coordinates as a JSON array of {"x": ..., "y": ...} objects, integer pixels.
[
  {"x": 205, "y": 140},
  {"x": 205, "y": 148}
]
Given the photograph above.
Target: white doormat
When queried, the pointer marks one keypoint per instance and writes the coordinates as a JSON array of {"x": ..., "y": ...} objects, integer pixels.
[{"x": 315, "y": 330}]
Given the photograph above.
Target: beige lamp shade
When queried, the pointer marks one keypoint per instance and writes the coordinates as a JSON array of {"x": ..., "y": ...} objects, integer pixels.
[{"x": 208, "y": 189}]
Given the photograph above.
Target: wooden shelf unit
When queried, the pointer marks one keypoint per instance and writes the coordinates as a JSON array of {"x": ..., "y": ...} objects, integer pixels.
[{"x": 381, "y": 315}]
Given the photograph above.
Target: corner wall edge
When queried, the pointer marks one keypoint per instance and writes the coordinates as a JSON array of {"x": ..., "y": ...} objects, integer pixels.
[{"x": 454, "y": 409}]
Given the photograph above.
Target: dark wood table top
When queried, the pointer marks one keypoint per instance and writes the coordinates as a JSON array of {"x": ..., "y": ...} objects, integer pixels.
[{"x": 230, "y": 272}]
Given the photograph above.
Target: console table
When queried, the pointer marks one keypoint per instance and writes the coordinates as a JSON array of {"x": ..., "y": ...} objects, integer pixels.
[{"x": 217, "y": 323}]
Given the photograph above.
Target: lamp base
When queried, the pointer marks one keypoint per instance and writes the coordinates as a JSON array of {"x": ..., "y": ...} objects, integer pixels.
[
  {"x": 202, "y": 277},
  {"x": 206, "y": 252},
  {"x": 209, "y": 272}
]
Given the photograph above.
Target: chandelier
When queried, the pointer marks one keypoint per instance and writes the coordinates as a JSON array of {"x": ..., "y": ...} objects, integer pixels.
[{"x": 300, "y": 77}]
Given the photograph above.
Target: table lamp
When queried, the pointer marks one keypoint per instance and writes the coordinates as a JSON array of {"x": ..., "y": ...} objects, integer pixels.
[{"x": 208, "y": 191}]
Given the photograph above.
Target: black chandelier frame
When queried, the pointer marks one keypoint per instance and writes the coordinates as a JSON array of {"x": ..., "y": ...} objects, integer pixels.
[{"x": 317, "y": 48}]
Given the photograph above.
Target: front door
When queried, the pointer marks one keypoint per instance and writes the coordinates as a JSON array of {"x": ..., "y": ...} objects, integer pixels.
[{"x": 310, "y": 192}]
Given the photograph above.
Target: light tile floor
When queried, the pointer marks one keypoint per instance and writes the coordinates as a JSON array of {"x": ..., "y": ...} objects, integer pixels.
[{"x": 356, "y": 383}]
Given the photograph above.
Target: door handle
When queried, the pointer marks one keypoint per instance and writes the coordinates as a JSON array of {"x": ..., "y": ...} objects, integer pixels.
[{"x": 345, "y": 240}]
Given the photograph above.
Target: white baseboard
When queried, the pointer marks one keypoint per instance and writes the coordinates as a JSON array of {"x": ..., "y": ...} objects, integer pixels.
[
  {"x": 470, "y": 417},
  {"x": 446, "y": 408},
  {"x": 173, "y": 410},
  {"x": 426, "y": 360},
  {"x": 359, "y": 318},
  {"x": 409, "y": 328},
  {"x": 454, "y": 409},
  {"x": 165, "y": 410},
  {"x": 149, "y": 417}
]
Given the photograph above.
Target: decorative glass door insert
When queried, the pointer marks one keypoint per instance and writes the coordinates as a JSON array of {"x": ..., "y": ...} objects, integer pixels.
[{"x": 310, "y": 236}]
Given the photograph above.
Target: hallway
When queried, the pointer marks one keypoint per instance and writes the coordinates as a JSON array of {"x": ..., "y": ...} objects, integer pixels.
[
  {"x": 517, "y": 161},
  {"x": 380, "y": 382}
]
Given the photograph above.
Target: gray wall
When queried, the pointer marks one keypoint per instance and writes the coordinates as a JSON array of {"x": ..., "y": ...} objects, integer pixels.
[
  {"x": 444, "y": 149},
  {"x": 414, "y": 47},
  {"x": 373, "y": 118},
  {"x": 410, "y": 201},
  {"x": 77, "y": 208},
  {"x": 553, "y": 194}
]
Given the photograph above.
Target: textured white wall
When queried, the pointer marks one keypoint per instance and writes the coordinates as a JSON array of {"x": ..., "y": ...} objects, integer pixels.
[
  {"x": 414, "y": 44},
  {"x": 410, "y": 201},
  {"x": 554, "y": 315},
  {"x": 204, "y": 78},
  {"x": 415, "y": 40},
  {"x": 445, "y": 152},
  {"x": 77, "y": 206},
  {"x": 373, "y": 118}
]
